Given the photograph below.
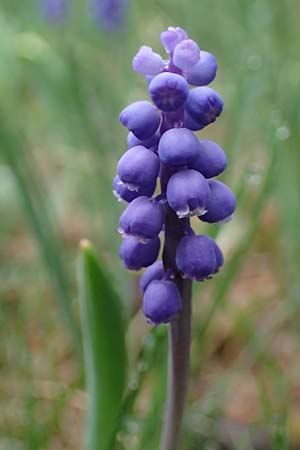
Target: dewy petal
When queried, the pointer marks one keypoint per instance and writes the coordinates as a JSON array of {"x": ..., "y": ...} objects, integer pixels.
[{"x": 147, "y": 62}]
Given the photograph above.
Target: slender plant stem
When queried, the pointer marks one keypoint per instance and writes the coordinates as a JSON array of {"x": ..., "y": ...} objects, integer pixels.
[
  {"x": 178, "y": 370},
  {"x": 179, "y": 337}
]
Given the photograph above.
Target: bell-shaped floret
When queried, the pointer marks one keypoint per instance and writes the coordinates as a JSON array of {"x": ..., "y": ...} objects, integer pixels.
[
  {"x": 168, "y": 91},
  {"x": 211, "y": 159},
  {"x": 221, "y": 203},
  {"x": 188, "y": 193},
  {"x": 143, "y": 218},
  {"x": 204, "y": 71},
  {"x": 135, "y": 255},
  {"x": 142, "y": 118},
  {"x": 203, "y": 106},
  {"x": 122, "y": 193},
  {"x": 162, "y": 302},
  {"x": 178, "y": 147},
  {"x": 138, "y": 168},
  {"x": 196, "y": 257}
]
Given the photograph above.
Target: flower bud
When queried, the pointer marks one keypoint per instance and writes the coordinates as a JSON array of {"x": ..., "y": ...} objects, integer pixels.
[
  {"x": 221, "y": 203},
  {"x": 161, "y": 301},
  {"x": 150, "y": 143},
  {"x": 178, "y": 147},
  {"x": 188, "y": 193},
  {"x": 203, "y": 106},
  {"x": 168, "y": 91},
  {"x": 196, "y": 257},
  {"x": 143, "y": 218},
  {"x": 142, "y": 118},
  {"x": 204, "y": 71},
  {"x": 153, "y": 272},
  {"x": 211, "y": 159},
  {"x": 147, "y": 62},
  {"x": 171, "y": 37},
  {"x": 122, "y": 193},
  {"x": 186, "y": 54},
  {"x": 135, "y": 255},
  {"x": 138, "y": 168}
]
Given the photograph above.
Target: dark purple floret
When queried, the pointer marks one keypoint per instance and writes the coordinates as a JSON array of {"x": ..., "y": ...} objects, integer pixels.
[
  {"x": 196, "y": 257},
  {"x": 188, "y": 193},
  {"x": 122, "y": 193},
  {"x": 211, "y": 159},
  {"x": 135, "y": 255},
  {"x": 54, "y": 10},
  {"x": 221, "y": 203},
  {"x": 161, "y": 302},
  {"x": 153, "y": 272},
  {"x": 203, "y": 106},
  {"x": 204, "y": 71},
  {"x": 150, "y": 143},
  {"x": 138, "y": 168},
  {"x": 142, "y": 118},
  {"x": 178, "y": 147},
  {"x": 143, "y": 218},
  {"x": 108, "y": 14},
  {"x": 168, "y": 91}
]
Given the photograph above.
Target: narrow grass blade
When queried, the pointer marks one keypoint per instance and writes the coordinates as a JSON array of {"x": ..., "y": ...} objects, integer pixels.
[
  {"x": 16, "y": 155},
  {"x": 104, "y": 350}
]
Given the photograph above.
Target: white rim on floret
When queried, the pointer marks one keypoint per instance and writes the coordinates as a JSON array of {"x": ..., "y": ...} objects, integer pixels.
[
  {"x": 117, "y": 195},
  {"x": 190, "y": 213},
  {"x": 140, "y": 239},
  {"x": 130, "y": 186}
]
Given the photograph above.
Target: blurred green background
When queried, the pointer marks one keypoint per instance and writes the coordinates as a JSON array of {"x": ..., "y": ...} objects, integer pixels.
[{"x": 61, "y": 91}]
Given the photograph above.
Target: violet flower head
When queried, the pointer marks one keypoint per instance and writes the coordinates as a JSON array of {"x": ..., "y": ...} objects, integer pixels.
[
  {"x": 162, "y": 145},
  {"x": 109, "y": 14},
  {"x": 54, "y": 11}
]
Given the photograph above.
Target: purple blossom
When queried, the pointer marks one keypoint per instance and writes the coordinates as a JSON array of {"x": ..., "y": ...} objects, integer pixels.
[
  {"x": 162, "y": 145},
  {"x": 161, "y": 301},
  {"x": 109, "y": 14},
  {"x": 55, "y": 11}
]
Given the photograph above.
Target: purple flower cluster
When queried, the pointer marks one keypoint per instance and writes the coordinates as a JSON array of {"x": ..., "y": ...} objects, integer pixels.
[
  {"x": 162, "y": 144},
  {"x": 54, "y": 11},
  {"x": 108, "y": 14}
]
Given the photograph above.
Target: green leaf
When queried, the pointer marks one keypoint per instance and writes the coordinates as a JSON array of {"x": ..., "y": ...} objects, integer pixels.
[
  {"x": 15, "y": 152},
  {"x": 104, "y": 350}
]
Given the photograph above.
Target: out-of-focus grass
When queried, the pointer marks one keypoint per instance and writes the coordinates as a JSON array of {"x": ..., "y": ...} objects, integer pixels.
[{"x": 61, "y": 90}]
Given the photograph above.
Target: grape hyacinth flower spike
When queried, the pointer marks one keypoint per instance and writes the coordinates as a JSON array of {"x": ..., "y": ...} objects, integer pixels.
[
  {"x": 162, "y": 145},
  {"x": 54, "y": 11},
  {"x": 108, "y": 14}
]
